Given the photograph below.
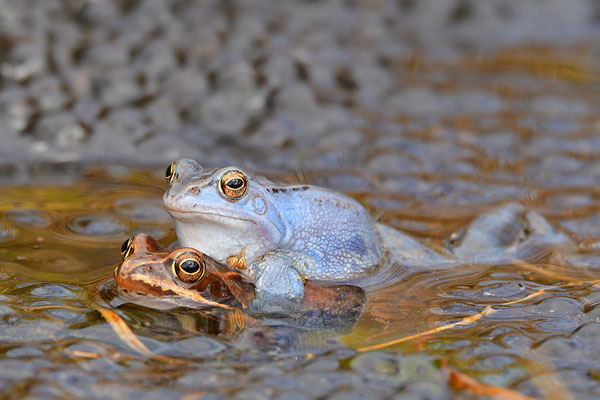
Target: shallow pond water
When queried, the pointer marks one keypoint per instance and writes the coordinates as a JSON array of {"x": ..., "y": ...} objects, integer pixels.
[
  {"x": 539, "y": 333},
  {"x": 428, "y": 112}
]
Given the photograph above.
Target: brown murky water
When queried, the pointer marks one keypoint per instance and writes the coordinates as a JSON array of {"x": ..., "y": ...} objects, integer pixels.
[{"x": 60, "y": 244}]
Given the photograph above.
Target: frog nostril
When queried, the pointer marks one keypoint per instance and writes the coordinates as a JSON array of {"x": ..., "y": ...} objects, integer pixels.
[
  {"x": 146, "y": 269},
  {"x": 194, "y": 190}
]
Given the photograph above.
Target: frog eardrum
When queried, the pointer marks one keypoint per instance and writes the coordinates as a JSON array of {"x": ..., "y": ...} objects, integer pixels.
[
  {"x": 189, "y": 267},
  {"x": 233, "y": 184}
]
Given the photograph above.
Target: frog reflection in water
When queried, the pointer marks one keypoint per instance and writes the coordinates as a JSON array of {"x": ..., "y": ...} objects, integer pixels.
[
  {"x": 281, "y": 234},
  {"x": 186, "y": 277}
]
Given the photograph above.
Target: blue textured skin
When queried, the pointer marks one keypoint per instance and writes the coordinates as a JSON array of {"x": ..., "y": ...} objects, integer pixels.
[
  {"x": 289, "y": 232},
  {"x": 329, "y": 236}
]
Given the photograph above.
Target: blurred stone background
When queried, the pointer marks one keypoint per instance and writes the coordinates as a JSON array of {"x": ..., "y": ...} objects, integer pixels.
[
  {"x": 426, "y": 111},
  {"x": 378, "y": 86}
]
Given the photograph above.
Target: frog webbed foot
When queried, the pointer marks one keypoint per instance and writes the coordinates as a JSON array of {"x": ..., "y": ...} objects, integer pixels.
[
  {"x": 279, "y": 286},
  {"x": 509, "y": 231}
]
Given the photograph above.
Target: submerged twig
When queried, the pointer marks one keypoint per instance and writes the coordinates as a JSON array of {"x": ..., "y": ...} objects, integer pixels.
[
  {"x": 465, "y": 321},
  {"x": 457, "y": 379},
  {"x": 488, "y": 310},
  {"x": 129, "y": 338},
  {"x": 543, "y": 269},
  {"x": 460, "y": 381}
]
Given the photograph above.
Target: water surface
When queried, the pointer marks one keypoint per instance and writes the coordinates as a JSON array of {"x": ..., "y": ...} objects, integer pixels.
[{"x": 60, "y": 244}]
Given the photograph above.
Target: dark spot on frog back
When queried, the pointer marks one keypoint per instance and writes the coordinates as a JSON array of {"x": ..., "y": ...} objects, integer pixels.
[
  {"x": 356, "y": 244},
  {"x": 285, "y": 190}
]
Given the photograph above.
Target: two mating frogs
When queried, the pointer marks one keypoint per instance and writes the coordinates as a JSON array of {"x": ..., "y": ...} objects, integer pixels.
[{"x": 280, "y": 235}]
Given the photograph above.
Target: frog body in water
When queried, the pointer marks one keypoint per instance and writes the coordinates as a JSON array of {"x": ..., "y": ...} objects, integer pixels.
[
  {"x": 189, "y": 278},
  {"x": 282, "y": 234}
]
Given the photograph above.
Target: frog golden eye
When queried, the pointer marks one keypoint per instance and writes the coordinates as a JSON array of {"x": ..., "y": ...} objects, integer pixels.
[
  {"x": 170, "y": 174},
  {"x": 233, "y": 184},
  {"x": 125, "y": 245},
  {"x": 189, "y": 267},
  {"x": 126, "y": 248}
]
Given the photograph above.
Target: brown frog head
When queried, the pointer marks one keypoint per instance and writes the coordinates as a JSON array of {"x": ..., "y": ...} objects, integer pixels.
[{"x": 183, "y": 276}]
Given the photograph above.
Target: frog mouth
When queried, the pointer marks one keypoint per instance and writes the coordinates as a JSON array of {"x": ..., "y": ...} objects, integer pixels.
[{"x": 199, "y": 213}]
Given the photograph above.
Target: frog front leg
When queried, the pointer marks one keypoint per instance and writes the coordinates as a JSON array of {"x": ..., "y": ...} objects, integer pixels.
[{"x": 279, "y": 286}]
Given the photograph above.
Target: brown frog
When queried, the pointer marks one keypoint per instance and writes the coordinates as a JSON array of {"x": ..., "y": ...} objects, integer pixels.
[{"x": 187, "y": 277}]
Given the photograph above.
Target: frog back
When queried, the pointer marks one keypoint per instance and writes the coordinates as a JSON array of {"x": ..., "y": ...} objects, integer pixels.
[{"x": 331, "y": 233}]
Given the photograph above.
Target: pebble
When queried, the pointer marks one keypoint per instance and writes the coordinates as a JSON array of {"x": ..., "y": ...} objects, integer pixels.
[
  {"x": 53, "y": 291},
  {"x": 588, "y": 227},
  {"x": 61, "y": 130},
  {"x": 392, "y": 164},
  {"x": 24, "y": 352},
  {"x": 141, "y": 209},
  {"x": 48, "y": 93},
  {"x": 397, "y": 369},
  {"x": 16, "y": 109},
  {"x": 26, "y": 216},
  {"x": 196, "y": 347},
  {"x": 7, "y": 233},
  {"x": 17, "y": 369},
  {"x": 589, "y": 334},
  {"x": 25, "y": 61},
  {"x": 74, "y": 381},
  {"x": 96, "y": 225},
  {"x": 204, "y": 379}
]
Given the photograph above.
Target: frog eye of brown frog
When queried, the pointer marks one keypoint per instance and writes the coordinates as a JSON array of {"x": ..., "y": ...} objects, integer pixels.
[
  {"x": 189, "y": 267},
  {"x": 127, "y": 248},
  {"x": 170, "y": 174},
  {"x": 233, "y": 184}
]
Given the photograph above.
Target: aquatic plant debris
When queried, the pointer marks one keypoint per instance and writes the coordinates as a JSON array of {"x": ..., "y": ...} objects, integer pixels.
[
  {"x": 488, "y": 310},
  {"x": 460, "y": 381},
  {"x": 129, "y": 338},
  {"x": 457, "y": 379},
  {"x": 541, "y": 61}
]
